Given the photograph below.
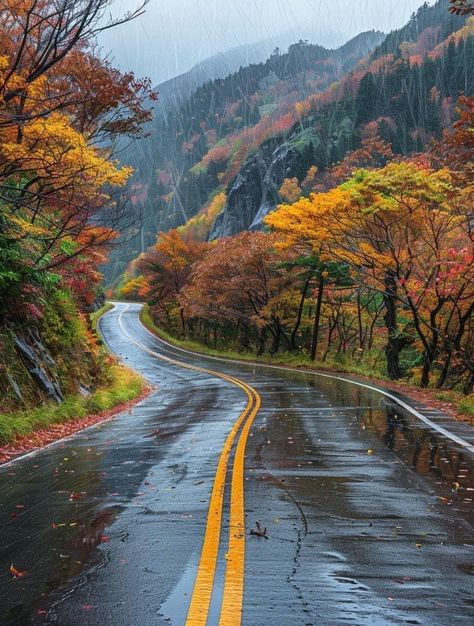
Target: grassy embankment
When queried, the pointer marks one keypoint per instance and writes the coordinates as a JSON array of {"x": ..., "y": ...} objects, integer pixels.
[
  {"x": 120, "y": 385},
  {"x": 463, "y": 406}
]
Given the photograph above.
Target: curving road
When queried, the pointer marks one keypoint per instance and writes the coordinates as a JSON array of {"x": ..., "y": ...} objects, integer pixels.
[{"x": 146, "y": 520}]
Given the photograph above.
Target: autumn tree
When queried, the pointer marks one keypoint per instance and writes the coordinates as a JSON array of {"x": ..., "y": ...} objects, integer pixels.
[
  {"x": 290, "y": 190},
  {"x": 61, "y": 106},
  {"x": 456, "y": 150},
  {"x": 37, "y": 36},
  {"x": 302, "y": 228},
  {"x": 373, "y": 153},
  {"x": 167, "y": 270},
  {"x": 461, "y": 7},
  {"x": 396, "y": 230},
  {"x": 243, "y": 283},
  {"x": 392, "y": 226}
]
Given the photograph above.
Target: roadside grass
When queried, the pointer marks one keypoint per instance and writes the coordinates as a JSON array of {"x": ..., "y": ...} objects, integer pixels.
[
  {"x": 341, "y": 365},
  {"x": 122, "y": 386},
  {"x": 464, "y": 404},
  {"x": 369, "y": 368},
  {"x": 95, "y": 317}
]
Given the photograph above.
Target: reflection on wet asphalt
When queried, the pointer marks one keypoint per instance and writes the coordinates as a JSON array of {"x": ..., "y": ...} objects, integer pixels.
[{"x": 369, "y": 512}]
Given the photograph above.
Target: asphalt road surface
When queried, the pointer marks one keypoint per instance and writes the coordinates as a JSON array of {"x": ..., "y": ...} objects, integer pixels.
[{"x": 147, "y": 519}]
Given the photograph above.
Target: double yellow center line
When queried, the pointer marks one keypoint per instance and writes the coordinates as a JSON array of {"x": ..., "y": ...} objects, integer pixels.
[{"x": 232, "y": 597}]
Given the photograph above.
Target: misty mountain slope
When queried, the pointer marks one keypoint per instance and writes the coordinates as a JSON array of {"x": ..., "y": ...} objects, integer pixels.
[
  {"x": 405, "y": 97},
  {"x": 249, "y": 101},
  {"x": 175, "y": 91},
  {"x": 227, "y": 153}
]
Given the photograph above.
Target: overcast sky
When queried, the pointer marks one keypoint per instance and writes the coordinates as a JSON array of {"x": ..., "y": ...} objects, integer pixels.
[{"x": 173, "y": 35}]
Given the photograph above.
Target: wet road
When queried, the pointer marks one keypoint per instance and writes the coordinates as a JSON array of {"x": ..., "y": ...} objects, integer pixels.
[{"x": 367, "y": 509}]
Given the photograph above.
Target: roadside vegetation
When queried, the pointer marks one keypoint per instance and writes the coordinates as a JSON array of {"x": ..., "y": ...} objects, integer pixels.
[
  {"x": 119, "y": 387},
  {"x": 63, "y": 107},
  {"x": 456, "y": 403},
  {"x": 95, "y": 317},
  {"x": 113, "y": 384}
]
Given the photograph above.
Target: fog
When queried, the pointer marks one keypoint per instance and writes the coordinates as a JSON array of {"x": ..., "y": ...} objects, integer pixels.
[{"x": 173, "y": 35}]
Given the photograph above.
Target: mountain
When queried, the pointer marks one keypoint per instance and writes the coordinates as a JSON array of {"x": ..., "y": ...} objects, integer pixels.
[
  {"x": 404, "y": 93},
  {"x": 222, "y": 116},
  {"x": 221, "y": 159},
  {"x": 175, "y": 91}
]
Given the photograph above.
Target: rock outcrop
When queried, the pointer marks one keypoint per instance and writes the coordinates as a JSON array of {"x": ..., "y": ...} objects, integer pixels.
[
  {"x": 254, "y": 192},
  {"x": 39, "y": 364}
]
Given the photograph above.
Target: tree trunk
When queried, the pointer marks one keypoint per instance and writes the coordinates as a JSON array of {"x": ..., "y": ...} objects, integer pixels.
[
  {"x": 261, "y": 341},
  {"x": 300, "y": 315},
  {"x": 244, "y": 337},
  {"x": 428, "y": 359},
  {"x": 329, "y": 341},
  {"x": 359, "y": 321},
  {"x": 445, "y": 371},
  {"x": 276, "y": 337},
  {"x": 393, "y": 347},
  {"x": 317, "y": 320}
]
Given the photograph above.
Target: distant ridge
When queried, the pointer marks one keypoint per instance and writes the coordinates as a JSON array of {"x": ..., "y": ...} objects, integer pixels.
[{"x": 174, "y": 91}]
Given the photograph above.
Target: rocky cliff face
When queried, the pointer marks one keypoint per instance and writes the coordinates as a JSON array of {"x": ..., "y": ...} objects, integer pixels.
[
  {"x": 254, "y": 193},
  {"x": 39, "y": 364},
  {"x": 30, "y": 373},
  {"x": 244, "y": 197}
]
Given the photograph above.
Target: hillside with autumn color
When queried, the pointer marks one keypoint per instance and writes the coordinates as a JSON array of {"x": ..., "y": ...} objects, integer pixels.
[
  {"x": 257, "y": 136},
  {"x": 321, "y": 208},
  {"x": 62, "y": 201}
]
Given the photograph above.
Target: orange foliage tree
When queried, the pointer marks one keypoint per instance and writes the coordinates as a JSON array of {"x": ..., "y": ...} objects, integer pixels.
[
  {"x": 167, "y": 269},
  {"x": 290, "y": 190},
  {"x": 241, "y": 284},
  {"x": 461, "y": 7},
  {"x": 61, "y": 106},
  {"x": 404, "y": 233}
]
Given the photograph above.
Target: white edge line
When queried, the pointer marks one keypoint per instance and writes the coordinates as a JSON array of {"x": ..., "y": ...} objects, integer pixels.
[
  {"x": 446, "y": 433},
  {"x": 462, "y": 442}
]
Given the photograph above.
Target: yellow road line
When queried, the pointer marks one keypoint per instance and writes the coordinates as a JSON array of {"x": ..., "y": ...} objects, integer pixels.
[
  {"x": 231, "y": 611},
  {"x": 204, "y": 582},
  {"x": 232, "y": 598}
]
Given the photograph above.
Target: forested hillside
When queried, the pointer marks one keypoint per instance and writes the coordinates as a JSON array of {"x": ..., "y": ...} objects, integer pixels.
[
  {"x": 195, "y": 150},
  {"x": 246, "y": 135},
  {"x": 62, "y": 107},
  {"x": 331, "y": 208}
]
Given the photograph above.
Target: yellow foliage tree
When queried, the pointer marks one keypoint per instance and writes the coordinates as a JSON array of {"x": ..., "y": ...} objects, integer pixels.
[{"x": 290, "y": 190}]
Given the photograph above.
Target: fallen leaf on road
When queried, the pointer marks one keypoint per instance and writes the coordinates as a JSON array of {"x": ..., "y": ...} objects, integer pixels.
[
  {"x": 16, "y": 573},
  {"x": 259, "y": 531}
]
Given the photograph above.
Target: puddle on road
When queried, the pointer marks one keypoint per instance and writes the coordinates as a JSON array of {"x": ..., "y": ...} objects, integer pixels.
[
  {"x": 175, "y": 609},
  {"x": 447, "y": 466},
  {"x": 430, "y": 455}
]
